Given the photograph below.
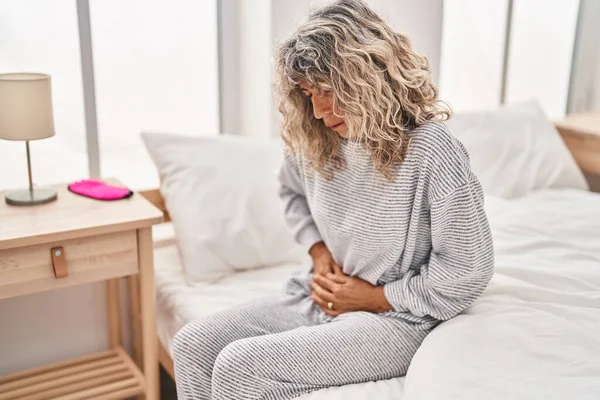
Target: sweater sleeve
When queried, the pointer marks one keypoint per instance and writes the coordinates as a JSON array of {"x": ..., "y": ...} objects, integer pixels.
[
  {"x": 297, "y": 211},
  {"x": 461, "y": 262}
]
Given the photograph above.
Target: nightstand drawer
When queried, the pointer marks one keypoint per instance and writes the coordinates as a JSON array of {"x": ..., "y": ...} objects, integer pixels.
[{"x": 29, "y": 269}]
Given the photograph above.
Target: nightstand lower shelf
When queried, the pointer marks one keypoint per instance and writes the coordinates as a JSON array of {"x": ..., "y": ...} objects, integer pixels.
[{"x": 107, "y": 375}]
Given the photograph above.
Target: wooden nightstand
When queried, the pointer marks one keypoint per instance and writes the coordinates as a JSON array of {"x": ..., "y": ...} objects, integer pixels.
[
  {"x": 76, "y": 240},
  {"x": 581, "y": 133}
]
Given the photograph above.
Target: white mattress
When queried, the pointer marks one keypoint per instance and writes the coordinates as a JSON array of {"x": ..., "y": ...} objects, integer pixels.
[{"x": 534, "y": 334}]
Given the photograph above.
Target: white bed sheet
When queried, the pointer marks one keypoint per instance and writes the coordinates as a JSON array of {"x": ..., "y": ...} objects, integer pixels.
[{"x": 534, "y": 334}]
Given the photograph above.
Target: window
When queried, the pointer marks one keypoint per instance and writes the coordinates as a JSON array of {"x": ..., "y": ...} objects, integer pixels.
[
  {"x": 156, "y": 69},
  {"x": 42, "y": 36},
  {"x": 539, "y": 63}
]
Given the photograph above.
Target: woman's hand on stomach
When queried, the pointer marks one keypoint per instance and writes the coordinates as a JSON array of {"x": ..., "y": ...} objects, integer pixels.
[
  {"x": 323, "y": 262},
  {"x": 336, "y": 293}
]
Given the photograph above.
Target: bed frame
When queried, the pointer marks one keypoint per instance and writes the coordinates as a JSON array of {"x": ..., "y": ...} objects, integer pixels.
[{"x": 585, "y": 150}]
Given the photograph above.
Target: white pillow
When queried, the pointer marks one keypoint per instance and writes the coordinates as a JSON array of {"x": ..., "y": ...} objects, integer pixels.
[
  {"x": 515, "y": 150},
  {"x": 222, "y": 195}
]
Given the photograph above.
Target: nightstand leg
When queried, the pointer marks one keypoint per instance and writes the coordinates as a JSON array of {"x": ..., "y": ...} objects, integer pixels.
[
  {"x": 114, "y": 316},
  {"x": 133, "y": 287},
  {"x": 148, "y": 308}
]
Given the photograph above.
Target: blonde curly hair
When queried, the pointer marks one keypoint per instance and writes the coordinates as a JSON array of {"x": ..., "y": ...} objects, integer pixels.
[{"x": 382, "y": 86}]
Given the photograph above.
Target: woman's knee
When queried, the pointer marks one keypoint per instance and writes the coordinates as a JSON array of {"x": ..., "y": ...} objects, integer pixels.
[
  {"x": 196, "y": 342},
  {"x": 235, "y": 367}
]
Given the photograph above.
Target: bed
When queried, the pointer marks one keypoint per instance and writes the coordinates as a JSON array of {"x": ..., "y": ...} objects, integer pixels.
[
  {"x": 532, "y": 335},
  {"x": 537, "y": 323}
]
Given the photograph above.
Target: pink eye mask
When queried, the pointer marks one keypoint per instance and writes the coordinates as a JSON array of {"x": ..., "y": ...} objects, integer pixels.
[{"x": 99, "y": 190}]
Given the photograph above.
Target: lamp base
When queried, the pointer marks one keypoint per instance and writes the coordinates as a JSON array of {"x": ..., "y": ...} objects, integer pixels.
[{"x": 31, "y": 197}]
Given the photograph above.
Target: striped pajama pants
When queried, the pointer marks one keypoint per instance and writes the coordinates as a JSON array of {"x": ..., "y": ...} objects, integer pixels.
[{"x": 277, "y": 349}]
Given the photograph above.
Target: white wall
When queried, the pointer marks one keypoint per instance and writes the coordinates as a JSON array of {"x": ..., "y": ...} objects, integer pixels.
[
  {"x": 156, "y": 69},
  {"x": 52, "y": 326},
  {"x": 255, "y": 68}
]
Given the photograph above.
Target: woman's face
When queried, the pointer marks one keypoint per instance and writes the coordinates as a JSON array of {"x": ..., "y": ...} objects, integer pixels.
[{"x": 323, "y": 108}]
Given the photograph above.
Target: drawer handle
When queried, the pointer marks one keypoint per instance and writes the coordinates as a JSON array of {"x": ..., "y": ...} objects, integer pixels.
[{"x": 59, "y": 262}]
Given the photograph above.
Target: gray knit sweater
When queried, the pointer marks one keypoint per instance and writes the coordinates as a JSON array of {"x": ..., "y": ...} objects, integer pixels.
[{"x": 425, "y": 236}]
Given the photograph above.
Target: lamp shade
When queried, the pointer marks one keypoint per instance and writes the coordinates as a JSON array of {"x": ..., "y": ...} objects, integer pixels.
[{"x": 25, "y": 106}]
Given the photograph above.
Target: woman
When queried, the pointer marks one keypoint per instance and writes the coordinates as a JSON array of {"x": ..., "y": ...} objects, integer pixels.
[{"x": 382, "y": 195}]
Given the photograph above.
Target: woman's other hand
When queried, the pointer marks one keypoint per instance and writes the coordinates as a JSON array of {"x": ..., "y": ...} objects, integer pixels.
[
  {"x": 346, "y": 294},
  {"x": 323, "y": 262}
]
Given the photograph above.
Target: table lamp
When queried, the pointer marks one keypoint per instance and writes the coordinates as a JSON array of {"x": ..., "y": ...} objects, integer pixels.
[{"x": 26, "y": 114}]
